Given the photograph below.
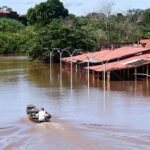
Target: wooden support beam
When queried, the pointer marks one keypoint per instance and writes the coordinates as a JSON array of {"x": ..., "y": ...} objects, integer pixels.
[{"x": 108, "y": 76}]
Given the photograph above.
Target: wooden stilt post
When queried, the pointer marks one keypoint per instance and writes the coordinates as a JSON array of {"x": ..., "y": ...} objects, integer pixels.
[
  {"x": 135, "y": 73},
  {"x": 135, "y": 86},
  {"x": 97, "y": 76},
  {"x": 123, "y": 74},
  {"x": 76, "y": 67},
  {"x": 147, "y": 80},
  {"x": 143, "y": 69},
  {"x": 102, "y": 76},
  {"x": 108, "y": 76},
  {"x": 92, "y": 74},
  {"x": 147, "y": 70},
  {"x": 128, "y": 75},
  {"x": 108, "y": 80},
  {"x": 93, "y": 77}
]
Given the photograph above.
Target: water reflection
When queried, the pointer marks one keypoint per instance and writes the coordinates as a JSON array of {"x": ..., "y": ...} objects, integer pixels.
[{"x": 22, "y": 82}]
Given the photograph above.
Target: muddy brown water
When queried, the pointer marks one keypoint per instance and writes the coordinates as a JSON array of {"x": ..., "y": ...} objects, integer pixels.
[{"x": 83, "y": 118}]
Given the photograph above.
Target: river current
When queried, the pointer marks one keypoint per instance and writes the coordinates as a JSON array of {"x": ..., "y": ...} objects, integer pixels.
[{"x": 86, "y": 118}]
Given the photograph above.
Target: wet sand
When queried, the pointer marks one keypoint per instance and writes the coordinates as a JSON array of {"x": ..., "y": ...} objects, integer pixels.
[{"x": 64, "y": 135}]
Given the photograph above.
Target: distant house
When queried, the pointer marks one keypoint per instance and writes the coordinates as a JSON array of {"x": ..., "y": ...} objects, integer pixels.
[
  {"x": 9, "y": 14},
  {"x": 4, "y": 12}
]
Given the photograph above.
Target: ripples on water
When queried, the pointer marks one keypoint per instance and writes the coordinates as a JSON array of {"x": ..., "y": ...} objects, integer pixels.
[{"x": 125, "y": 104}]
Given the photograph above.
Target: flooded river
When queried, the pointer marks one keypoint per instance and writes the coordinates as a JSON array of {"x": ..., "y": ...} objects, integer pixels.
[{"x": 84, "y": 118}]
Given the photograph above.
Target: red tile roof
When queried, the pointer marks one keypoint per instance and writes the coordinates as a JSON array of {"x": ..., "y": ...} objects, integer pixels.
[
  {"x": 85, "y": 56},
  {"x": 122, "y": 52},
  {"x": 106, "y": 55},
  {"x": 4, "y": 12},
  {"x": 123, "y": 64}
]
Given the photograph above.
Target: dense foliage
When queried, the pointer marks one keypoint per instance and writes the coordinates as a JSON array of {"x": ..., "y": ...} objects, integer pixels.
[
  {"x": 48, "y": 25},
  {"x": 46, "y": 11},
  {"x": 9, "y": 36}
]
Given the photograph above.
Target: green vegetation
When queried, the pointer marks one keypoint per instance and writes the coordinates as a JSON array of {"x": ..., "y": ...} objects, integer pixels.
[
  {"x": 45, "y": 12},
  {"x": 49, "y": 25}
]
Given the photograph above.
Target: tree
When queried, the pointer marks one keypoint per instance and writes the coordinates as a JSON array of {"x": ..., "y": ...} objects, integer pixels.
[
  {"x": 106, "y": 12},
  {"x": 146, "y": 24},
  {"x": 8, "y": 35},
  {"x": 135, "y": 16},
  {"x": 6, "y": 8},
  {"x": 23, "y": 19},
  {"x": 10, "y": 25},
  {"x": 45, "y": 12},
  {"x": 146, "y": 17}
]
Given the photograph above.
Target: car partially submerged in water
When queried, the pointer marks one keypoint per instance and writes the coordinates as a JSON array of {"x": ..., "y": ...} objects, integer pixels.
[{"x": 32, "y": 112}]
